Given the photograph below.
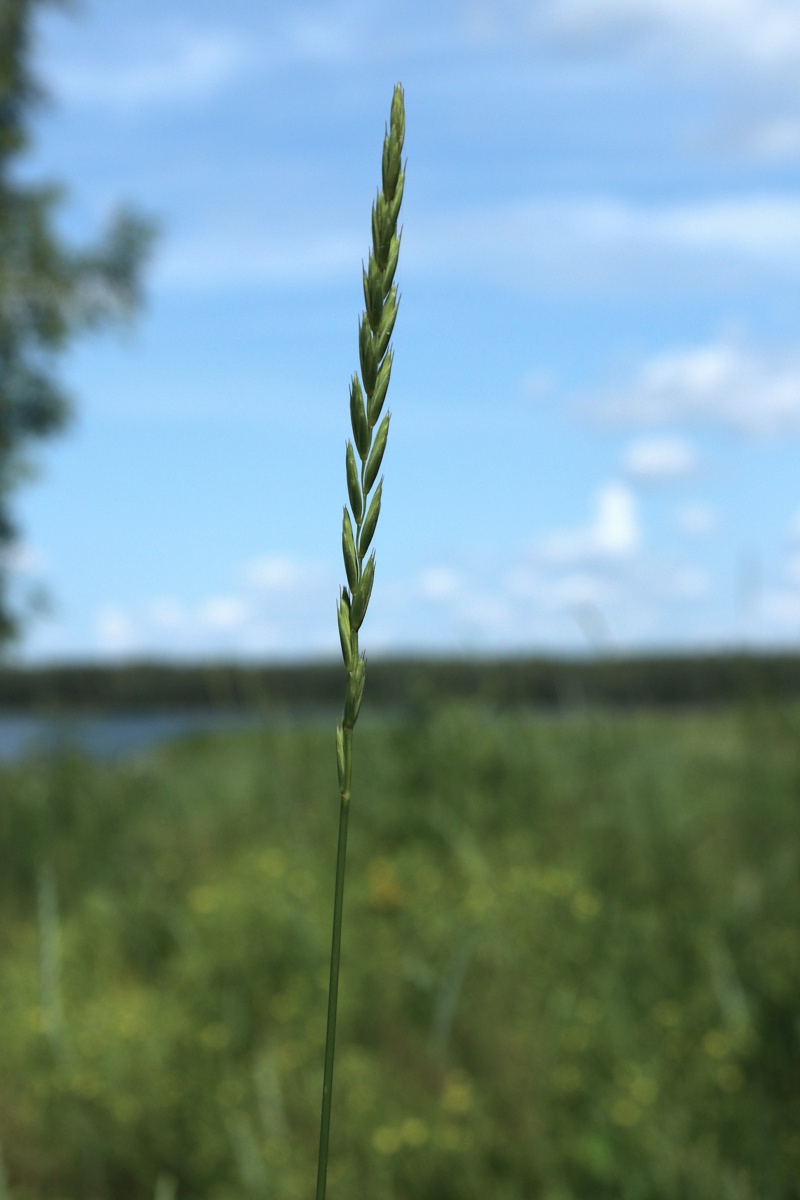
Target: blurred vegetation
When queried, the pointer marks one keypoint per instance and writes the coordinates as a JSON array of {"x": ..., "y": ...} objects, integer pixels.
[
  {"x": 571, "y": 963},
  {"x": 409, "y": 685},
  {"x": 50, "y": 291}
]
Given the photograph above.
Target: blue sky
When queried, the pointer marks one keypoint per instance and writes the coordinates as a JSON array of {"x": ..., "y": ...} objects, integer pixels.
[{"x": 596, "y": 392}]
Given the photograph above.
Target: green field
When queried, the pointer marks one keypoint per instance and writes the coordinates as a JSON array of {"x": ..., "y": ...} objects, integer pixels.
[{"x": 571, "y": 963}]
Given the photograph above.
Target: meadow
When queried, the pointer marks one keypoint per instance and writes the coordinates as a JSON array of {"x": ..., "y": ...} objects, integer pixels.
[{"x": 571, "y": 962}]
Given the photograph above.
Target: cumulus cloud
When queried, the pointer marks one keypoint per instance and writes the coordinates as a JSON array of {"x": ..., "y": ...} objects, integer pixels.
[
  {"x": 781, "y": 609},
  {"x": 660, "y": 460},
  {"x": 612, "y": 534},
  {"x": 244, "y": 256},
  {"x": 276, "y": 573},
  {"x": 595, "y": 583},
  {"x": 721, "y": 383},
  {"x": 688, "y": 583},
  {"x": 565, "y": 245},
  {"x": 769, "y": 141},
  {"x": 224, "y": 613},
  {"x": 277, "y": 605},
  {"x": 759, "y": 36},
  {"x": 177, "y": 64},
  {"x": 167, "y": 613},
  {"x": 116, "y": 632},
  {"x": 570, "y": 245},
  {"x": 696, "y": 520},
  {"x": 439, "y": 583}
]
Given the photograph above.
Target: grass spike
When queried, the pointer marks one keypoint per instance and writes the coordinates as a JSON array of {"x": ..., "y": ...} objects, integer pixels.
[{"x": 375, "y": 360}]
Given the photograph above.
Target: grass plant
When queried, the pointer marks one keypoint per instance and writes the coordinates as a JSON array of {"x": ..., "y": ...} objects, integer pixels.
[
  {"x": 363, "y": 459},
  {"x": 578, "y": 964}
]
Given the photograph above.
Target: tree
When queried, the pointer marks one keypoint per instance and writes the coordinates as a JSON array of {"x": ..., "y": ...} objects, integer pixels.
[{"x": 49, "y": 291}]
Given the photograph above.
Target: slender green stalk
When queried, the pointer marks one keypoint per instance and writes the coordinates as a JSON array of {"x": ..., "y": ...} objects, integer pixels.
[{"x": 362, "y": 463}]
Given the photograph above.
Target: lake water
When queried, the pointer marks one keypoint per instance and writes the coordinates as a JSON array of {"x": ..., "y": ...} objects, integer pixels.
[{"x": 110, "y": 735}]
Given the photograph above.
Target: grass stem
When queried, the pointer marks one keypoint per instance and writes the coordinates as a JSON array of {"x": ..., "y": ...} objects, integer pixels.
[
  {"x": 367, "y": 397},
  {"x": 333, "y": 1000}
]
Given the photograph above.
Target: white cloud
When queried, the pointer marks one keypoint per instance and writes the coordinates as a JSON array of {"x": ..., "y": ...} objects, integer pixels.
[
  {"x": 594, "y": 582},
  {"x": 116, "y": 633},
  {"x": 180, "y": 64},
  {"x": 278, "y": 606},
  {"x": 275, "y": 573},
  {"x": 565, "y": 245},
  {"x": 439, "y": 583},
  {"x": 721, "y": 383},
  {"x": 242, "y": 257},
  {"x": 612, "y": 534},
  {"x": 660, "y": 460},
  {"x": 696, "y": 520},
  {"x": 556, "y": 588},
  {"x": 570, "y": 245},
  {"x": 167, "y": 613},
  {"x": 688, "y": 583},
  {"x": 326, "y": 36},
  {"x": 776, "y": 140},
  {"x": 781, "y": 608},
  {"x": 757, "y": 227},
  {"x": 224, "y": 613},
  {"x": 759, "y": 36}
]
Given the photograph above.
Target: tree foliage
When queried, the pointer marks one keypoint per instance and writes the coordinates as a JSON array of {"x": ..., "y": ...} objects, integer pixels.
[{"x": 49, "y": 290}]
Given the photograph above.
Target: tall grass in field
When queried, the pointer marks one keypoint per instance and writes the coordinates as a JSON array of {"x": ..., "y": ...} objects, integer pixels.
[
  {"x": 577, "y": 969},
  {"x": 363, "y": 462}
]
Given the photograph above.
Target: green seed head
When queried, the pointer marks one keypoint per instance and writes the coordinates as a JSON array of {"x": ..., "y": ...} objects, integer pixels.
[
  {"x": 370, "y": 428},
  {"x": 397, "y": 200},
  {"x": 353, "y": 486},
  {"x": 349, "y": 551},
  {"x": 390, "y": 164},
  {"x": 391, "y": 262},
  {"x": 376, "y": 453},
  {"x": 373, "y": 293},
  {"x": 397, "y": 117},
  {"x": 383, "y": 227},
  {"x": 358, "y": 418},
  {"x": 386, "y": 326},
  {"x": 362, "y": 594},
  {"x": 345, "y": 636},
  {"x": 354, "y": 693},
  {"x": 367, "y": 356},
  {"x": 370, "y": 521},
  {"x": 378, "y": 394}
]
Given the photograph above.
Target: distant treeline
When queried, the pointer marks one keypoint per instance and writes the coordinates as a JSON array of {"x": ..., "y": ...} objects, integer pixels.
[{"x": 408, "y": 684}]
